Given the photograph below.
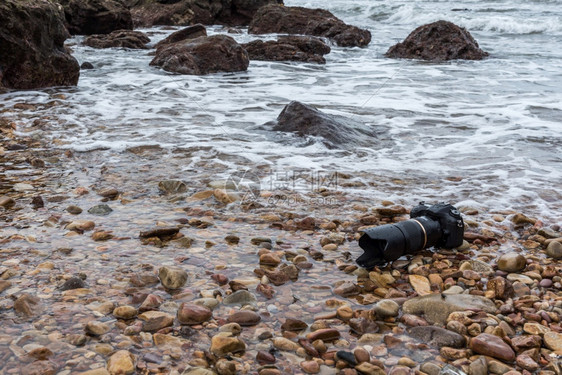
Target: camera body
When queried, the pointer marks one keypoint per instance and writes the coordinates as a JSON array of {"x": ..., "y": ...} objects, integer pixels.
[
  {"x": 438, "y": 225},
  {"x": 449, "y": 218}
]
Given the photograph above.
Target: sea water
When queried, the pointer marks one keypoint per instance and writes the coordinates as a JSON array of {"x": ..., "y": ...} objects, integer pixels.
[{"x": 485, "y": 134}]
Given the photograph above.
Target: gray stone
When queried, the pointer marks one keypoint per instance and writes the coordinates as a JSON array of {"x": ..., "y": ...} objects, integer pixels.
[
  {"x": 437, "y": 336},
  {"x": 437, "y": 307},
  {"x": 172, "y": 186},
  {"x": 240, "y": 297},
  {"x": 100, "y": 210}
]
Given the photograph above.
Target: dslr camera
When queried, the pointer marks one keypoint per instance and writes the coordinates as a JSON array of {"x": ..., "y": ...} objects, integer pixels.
[{"x": 439, "y": 225}]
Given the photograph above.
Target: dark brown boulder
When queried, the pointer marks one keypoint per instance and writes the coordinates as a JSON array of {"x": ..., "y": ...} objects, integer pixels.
[
  {"x": 317, "y": 22},
  {"x": 87, "y": 17},
  {"x": 288, "y": 48},
  {"x": 188, "y": 12},
  {"x": 438, "y": 41},
  {"x": 119, "y": 38},
  {"x": 203, "y": 55},
  {"x": 32, "y": 52},
  {"x": 335, "y": 131},
  {"x": 190, "y": 32}
]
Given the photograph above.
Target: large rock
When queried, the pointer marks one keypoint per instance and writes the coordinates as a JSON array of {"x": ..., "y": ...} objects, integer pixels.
[
  {"x": 33, "y": 55},
  {"x": 318, "y": 22},
  {"x": 187, "y": 12},
  {"x": 438, "y": 41},
  {"x": 87, "y": 17},
  {"x": 203, "y": 55},
  {"x": 118, "y": 38},
  {"x": 335, "y": 131},
  {"x": 288, "y": 48},
  {"x": 437, "y": 307}
]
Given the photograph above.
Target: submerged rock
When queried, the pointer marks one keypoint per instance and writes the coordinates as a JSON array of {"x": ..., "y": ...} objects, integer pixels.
[
  {"x": 318, "y": 22},
  {"x": 190, "y": 314},
  {"x": 223, "y": 345},
  {"x": 87, "y": 17},
  {"x": 172, "y": 277},
  {"x": 437, "y": 336},
  {"x": 335, "y": 131},
  {"x": 437, "y": 307},
  {"x": 32, "y": 36},
  {"x": 203, "y": 55},
  {"x": 121, "y": 362},
  {"x": 119, "y": 38},
  {"x": 73, "y": 283},
  {"x": 288, "y": 48},
  {"x": 438, "y": 41}
]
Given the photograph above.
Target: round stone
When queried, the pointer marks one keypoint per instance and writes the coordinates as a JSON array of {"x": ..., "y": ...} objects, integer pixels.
[
  {"x": 189, "y": 313},
  {"x": 172, "y": 277},
  {"x": 310, "y": 367},
  {"x": 386, "y": 308},
  {"x": 125, "y": 312},
  {"x": 554, "y": 250},
  {"x": 511, "y": 262}
]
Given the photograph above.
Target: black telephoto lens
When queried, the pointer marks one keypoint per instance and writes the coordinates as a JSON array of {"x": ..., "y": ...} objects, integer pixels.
[
  {"x": 389, "y": 242},
  {"x": 440, "y": 225}
]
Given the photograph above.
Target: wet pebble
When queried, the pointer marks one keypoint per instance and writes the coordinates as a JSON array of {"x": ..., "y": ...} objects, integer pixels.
[
  {"x": 96, "y": 328},
  {"x": 121, "y": 362},
  {"x": 172, "y": 277},
  {"x": 125, "y": 312},
  {"x": 191, "y": 314},
  {"x": 554, "y": 250},
  {"x": 244, "y": 318},
  {"x": 7, "y": 202},
  {"x": 73, "y": 283},
  {"x": 156, "y": 320},
  {"x": 240, "y": 297},
  {"x": 223, "y": 345},
  {"x": 100, "y": 210},
  {"x": 292, "y": 324},
  {"x": 386, "y": 308},
  {"x": 265, "y": 357},
  {"x": 27, "y": 305},
  {"x": 511, "y": 262},
  {"x": 493, "y": 346},
  {"x": 310, "y": 367},
  {"x": 74, "y": 210},
  {"x": 553, "y": 341}
]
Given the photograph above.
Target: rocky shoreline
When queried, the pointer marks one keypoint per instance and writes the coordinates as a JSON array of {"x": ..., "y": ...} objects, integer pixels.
[{"x": 182, "y": 277}]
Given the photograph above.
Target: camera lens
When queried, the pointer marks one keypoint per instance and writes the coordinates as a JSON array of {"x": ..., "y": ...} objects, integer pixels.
[{"x": 389, "y": 242}]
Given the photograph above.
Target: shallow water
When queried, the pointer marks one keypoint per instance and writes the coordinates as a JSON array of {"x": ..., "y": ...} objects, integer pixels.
[{"x": 495, "y": 125}]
